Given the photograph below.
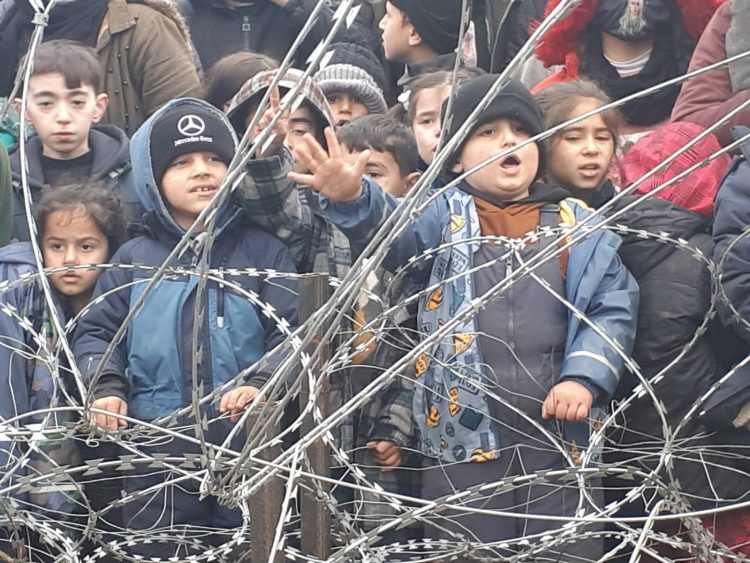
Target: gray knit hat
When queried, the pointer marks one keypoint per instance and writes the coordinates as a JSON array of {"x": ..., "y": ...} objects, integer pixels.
[{"x": 356, "y": 81}]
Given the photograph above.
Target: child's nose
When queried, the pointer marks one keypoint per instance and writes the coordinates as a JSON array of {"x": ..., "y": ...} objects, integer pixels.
[
  {"x": 71, "y": 256},
  {"x": 591, "y": 147},
  {"x": 63, "y": 113}
]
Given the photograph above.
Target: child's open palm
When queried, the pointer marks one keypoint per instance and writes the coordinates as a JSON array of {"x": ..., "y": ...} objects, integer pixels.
[{"x": 336, "y": 174}]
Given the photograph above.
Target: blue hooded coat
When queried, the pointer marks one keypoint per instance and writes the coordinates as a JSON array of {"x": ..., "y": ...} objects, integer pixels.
[{"x": 151, "y": 367}]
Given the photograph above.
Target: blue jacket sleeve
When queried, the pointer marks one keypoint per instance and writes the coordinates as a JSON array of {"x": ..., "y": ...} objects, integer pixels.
[
  {"x": 97, "y": 328},
  {"x": 732, "y": 249},
  {"x": 361, "y": 219},
  {"x": 607, "y": 294}
]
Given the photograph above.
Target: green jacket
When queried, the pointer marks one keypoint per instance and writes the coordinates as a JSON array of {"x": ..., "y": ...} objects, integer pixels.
[{"x": 6, "y": 201}]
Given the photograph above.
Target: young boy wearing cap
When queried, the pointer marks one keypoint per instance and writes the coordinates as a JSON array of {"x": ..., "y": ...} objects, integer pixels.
[
  {"x": 419, "y": 31},
  {"x": 180, "y": 158},
  {"x": 353, "y": 82},
  {"x": 512, "y": 388}
]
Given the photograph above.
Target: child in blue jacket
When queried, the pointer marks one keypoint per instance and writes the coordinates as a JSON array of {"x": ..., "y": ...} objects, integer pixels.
[
  {"x": 180, "y": 158},
  {"x": 78, "y": 224},
  {"x": 512, "y": 389}
]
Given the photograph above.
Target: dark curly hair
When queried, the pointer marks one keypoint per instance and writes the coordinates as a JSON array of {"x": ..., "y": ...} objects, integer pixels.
[{"x": 99, "y": 202}]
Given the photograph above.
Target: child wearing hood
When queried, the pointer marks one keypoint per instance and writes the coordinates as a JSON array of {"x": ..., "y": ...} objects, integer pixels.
[
  {"x": 181, "y": 156},
  {"x": 513, "y": 388}
]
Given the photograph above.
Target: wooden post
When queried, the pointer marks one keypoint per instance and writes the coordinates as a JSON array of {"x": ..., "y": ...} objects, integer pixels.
[
  {"x": 265, "y": 504},
  {"x": 316, "y": 519}
]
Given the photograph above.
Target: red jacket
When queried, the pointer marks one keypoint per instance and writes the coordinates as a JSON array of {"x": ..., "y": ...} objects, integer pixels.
[{"x": 708, "y": 97}]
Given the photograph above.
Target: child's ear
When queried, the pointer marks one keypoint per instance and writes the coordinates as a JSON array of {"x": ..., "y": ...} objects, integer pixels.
[
  {"x": 17, "y": 107},
  {"x": 415, "y": 40},
  {"x": 457, "y": 168},
  {"x": 411, "y": 179},
  {"x": 102, "y": 102}
]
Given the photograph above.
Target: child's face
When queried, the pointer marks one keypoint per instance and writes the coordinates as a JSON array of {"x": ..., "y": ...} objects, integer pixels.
[
  {"x": 301, "y": 121},
  {"x": 189, "y": 184},
  {"x": 426, "y": 123},
  {"x": 62, "y": 117},
  {"x": 397, "y": 32},
  {"x": 580, "y": 155},
  {"x": 383, "y": 168},
  {"x": 345, "y": 107},
  {"x": 71, "y": 238},
  {"x": 508, "y": 178}
]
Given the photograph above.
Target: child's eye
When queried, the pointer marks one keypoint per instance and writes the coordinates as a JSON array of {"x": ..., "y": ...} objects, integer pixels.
[
  {"x": 298, "y": 132},
  {"x": 333, "y": 99},
  {"x": 55, "y": 246},
  {"x": 604, "y": 137},
  {"x": 87, "y": 247},
  {"x": 518, "y": 128},
  {"x": 488, "y": 132},
  {"x": 358, "y": 100},
  {"x": 79, "y": 103},
  {"x": 178, "y": 162},
  {"x": 374, "y": 175},
  {"x": 572, "y": 138},
  {"x": 215, "y": 158}
]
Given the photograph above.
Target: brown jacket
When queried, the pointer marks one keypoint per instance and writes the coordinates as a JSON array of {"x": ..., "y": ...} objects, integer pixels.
[
  {"x": 708, "y": 97},
  {"x": 146, "y": 56}
]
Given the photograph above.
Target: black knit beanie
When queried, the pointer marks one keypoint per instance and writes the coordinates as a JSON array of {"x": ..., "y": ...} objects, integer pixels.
[
  {"x": 185, "y": 130},
  {"x": 438, "y": 22},
  {"x": 513, "y": 101}
]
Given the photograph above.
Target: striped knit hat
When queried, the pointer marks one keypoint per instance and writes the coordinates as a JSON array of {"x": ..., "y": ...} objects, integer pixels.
[{"x": 353, "y": 68}]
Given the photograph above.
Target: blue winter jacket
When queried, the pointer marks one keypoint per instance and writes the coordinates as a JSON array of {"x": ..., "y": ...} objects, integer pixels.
[
  {"x": 732, "y": 258},
  {"x": 151, "y": 367},
  {"x": 26, "y": 385},
  {"x": 596, "y": 282}
]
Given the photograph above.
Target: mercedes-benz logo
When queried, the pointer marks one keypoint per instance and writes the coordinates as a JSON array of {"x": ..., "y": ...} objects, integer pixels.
[{"x": 191, "y": 125}]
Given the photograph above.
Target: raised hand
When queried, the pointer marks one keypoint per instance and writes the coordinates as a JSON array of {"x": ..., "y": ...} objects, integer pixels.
[
  {"x": 280, "y": 129},
  {"x": 336, "y": 174}
]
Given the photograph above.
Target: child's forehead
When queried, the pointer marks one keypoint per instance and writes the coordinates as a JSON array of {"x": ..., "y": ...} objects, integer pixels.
[{"x": 54, "y": 83}]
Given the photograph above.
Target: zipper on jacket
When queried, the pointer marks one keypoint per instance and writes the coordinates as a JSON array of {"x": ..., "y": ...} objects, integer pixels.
[
  {"x": 246, "y": 28},
  {"x": 220, "y": 301}
]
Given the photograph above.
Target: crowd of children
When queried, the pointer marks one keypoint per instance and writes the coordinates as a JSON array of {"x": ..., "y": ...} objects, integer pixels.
[{"x": 560, "y": 324}]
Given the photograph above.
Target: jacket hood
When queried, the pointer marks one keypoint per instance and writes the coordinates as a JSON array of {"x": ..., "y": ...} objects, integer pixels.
[
  {"x": 109, "y": 144},
  {"x": 558, "y": 46},
  {"x": 168, "y": 9},
  {"x": 17, "y": 253},
  {"x": 257, "y": 85},
  {"x": 656, "y": 216},
  {"x": 146, "y": 186}
]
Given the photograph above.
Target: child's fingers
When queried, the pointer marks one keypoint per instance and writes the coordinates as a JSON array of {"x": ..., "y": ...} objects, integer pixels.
[
  {"x": 334, "y": 149},
  {"x": 275, "y": 101},
  {"x": 361, "y": 163},
  {"x": 123, "y": 410},
  {"x": 317, "y": 152},
  {"x": 224, "y": 404},
  {"x": 582, "y": 412},
  {"x": 303, "y": 154},
  {"x": 548, "y": 407},
  {"x": 302, "y": 179}
]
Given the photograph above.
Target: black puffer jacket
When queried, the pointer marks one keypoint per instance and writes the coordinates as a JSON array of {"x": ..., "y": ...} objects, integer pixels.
[
  {"x": 676, "y": 292},
  {"x": 262, "y": 27},
  {"x": 514, "y": 31}
]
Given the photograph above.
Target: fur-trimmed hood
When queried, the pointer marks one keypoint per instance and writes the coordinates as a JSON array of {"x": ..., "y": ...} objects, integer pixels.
[
  {"x": 168, "y": 9},
  {"x": 558, "y": 45}
]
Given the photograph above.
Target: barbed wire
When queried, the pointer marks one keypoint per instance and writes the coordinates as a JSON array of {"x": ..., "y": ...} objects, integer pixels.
[{"x": 275, "y": 439}]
